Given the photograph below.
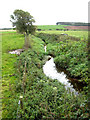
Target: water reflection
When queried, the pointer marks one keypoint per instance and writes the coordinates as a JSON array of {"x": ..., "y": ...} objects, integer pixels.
[{"x": 50, "y": 71}]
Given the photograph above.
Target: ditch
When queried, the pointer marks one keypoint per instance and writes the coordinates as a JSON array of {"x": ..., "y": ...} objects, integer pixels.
[{"x": 53, "y": 72}]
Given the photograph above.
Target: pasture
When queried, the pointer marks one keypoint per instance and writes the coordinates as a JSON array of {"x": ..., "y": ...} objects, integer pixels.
[
  {"x": 51, "y": 27},
  {"x": 80, "y": 34}
]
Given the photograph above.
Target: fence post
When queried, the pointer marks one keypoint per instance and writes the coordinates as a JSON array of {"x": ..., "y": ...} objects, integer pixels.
[
  {"x": 21, "y": 102},
  {"x": 24, "y": 78}
]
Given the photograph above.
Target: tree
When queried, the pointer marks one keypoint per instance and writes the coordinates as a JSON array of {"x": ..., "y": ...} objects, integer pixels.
[{"x": 23, "y": 22}]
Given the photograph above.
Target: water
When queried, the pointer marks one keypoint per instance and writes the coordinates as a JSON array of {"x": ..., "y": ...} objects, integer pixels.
[
  {"x": 45, "y": 48},
  {"x": 50, "y": 71}
]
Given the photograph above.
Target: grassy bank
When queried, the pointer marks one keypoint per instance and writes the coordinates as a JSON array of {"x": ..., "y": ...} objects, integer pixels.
[
  {"x": 42, "y": 98},
  {"x": 70, "y": 52}
]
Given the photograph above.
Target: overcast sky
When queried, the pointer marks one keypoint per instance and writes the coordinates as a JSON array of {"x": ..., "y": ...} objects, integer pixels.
[{"x": 45, "y": 12}]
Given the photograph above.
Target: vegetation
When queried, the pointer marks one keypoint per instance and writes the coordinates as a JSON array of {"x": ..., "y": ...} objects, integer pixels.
[
  {"x": 42, "y": 98},
  {"x": 70, "y": 53},
  {"x": 10, "y": 41},
  {"x": 50, "y": 27},
  {"x": 73, "y": 23},
  {"x": 23, "y": 22},
  {"x": 78, "y": 34},
  {"x": 45, "y": 98}
]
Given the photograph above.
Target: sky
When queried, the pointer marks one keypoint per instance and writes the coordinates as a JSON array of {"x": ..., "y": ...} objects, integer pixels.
[{"x": 45, "y": 12}]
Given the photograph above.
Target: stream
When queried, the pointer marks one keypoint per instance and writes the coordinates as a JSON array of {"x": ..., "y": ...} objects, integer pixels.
[{"x": 50, "y": 70}]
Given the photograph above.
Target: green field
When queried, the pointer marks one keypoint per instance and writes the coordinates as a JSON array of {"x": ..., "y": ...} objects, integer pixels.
[
  {"x": 43, "y": 98},
  {"x": 80, "y": 34},
  {"x": 51, "y": 27},
  {"x": 10, "y": 41}
]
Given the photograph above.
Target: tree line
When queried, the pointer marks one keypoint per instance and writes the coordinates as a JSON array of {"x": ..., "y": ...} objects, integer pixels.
[{"x": 73, "y": 23}]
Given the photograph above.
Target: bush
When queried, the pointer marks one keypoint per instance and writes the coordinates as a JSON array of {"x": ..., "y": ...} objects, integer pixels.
[{"x": 45, "y": 98}]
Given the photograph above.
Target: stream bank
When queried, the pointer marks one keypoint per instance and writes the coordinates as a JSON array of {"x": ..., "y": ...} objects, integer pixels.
[
  {"x": 44, "y": 98},
  {"x": 53, "y": 72},
  {"x": 70, "y": 55}
]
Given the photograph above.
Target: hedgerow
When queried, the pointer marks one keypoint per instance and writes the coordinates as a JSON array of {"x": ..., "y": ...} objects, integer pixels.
[{"x": 44, "y": 98}]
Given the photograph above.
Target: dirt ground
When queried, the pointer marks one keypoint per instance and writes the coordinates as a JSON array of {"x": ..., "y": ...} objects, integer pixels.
[{"x": 78, "y": 27}]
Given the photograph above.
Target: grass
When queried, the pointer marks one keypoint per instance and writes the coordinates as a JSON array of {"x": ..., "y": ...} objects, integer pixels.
[
  {"x": 43, "y": 98},
  {"x": 37, "y": 44},
  {"x": 80, "y": 34},
  {"x": 10, "y": 41},
  {"x": 51, "y": 27}
]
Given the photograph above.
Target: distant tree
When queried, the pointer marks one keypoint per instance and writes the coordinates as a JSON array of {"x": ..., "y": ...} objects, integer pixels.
[{"x": 23, "y": 22}]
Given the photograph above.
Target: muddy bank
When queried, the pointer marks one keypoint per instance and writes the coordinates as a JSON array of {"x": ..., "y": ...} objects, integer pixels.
[{"x": 74, "y": 81}]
